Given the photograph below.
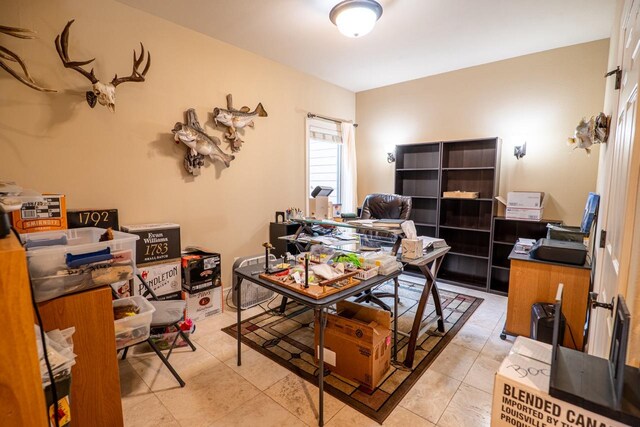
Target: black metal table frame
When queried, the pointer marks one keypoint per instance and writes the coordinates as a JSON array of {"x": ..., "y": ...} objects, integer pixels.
[{"x": 319, "y": 306}]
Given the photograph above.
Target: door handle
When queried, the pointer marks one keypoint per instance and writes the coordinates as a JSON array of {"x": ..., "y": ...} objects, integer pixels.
[{"x": 593, "y": 302}]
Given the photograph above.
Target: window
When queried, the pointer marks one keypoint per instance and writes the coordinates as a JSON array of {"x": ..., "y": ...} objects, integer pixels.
[{"x": 325, "y": 157}]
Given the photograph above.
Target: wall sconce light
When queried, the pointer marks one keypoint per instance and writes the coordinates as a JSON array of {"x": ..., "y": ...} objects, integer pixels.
[
  {"x": 391, "y": 157},
  {"x": 520, "y": 150}
]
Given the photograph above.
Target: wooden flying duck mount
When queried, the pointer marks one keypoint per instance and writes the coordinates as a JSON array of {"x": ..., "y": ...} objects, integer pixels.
[
  {"x": 199, "y": 143},
  {"x": 104, "y": 93},
  {"x": 234, "y": 119}
]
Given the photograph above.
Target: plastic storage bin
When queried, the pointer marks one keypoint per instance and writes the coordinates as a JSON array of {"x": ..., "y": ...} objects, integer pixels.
[
  {"x": 133, "y": 329},
  {"x": 57, "y": 266}
]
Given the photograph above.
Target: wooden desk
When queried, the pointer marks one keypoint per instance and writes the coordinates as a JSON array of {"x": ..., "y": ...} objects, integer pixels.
[
  {"x": 532, "y": 281},
  {"x": 21, "y": 395},
  {"x": 95, "y": 381}
]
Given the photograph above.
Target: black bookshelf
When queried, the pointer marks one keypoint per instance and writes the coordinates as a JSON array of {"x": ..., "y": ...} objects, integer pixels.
[
  {"x": 505, "y": 233},
  {"x": 424, "y": 172}
]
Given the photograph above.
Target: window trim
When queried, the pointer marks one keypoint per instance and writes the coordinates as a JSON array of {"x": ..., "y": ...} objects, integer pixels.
[{"x": 309, "y": 123}]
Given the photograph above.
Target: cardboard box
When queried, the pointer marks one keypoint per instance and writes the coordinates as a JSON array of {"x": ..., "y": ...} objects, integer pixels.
[
  {"x": 411, "y": 248},
  {"x": 164, "y": 279},
  {"x": 357, "y": 343},
  {"x": 158, "y": 242},
  {"x": 47, "y": 215},
  {"x": 521, "y": 392},
  {"x": 201, "y": 270},
  {"x": 525, "y": 199},
  {"x": 123, "y": 289},
  {"x": 102, "y": 218},
  {"x": 530, "y": 214},
  {"x": 203, "y": 304}
]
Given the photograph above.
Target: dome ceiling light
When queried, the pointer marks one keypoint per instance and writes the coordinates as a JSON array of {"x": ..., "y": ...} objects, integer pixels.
[{"x": 355, "y": 18}]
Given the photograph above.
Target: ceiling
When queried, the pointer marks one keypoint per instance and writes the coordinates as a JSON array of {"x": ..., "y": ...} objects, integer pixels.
[{"x": 412, "y": 39}]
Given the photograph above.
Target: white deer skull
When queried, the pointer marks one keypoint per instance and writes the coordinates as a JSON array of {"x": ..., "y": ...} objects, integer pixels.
[{"x": 104, "y": 93}]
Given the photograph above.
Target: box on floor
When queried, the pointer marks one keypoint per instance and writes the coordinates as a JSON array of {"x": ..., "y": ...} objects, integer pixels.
[
  {"x": 521, "y": 393},
  {"x": 201, "y": 270},
  {"x": 357, "y": 343},
  {"x": 158, "y": 242},
  {"x": 201, "y": 305},
  {"x": 163, "y": 278}
]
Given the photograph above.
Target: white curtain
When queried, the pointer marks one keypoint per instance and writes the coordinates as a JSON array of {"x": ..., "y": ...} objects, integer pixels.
[{"x": 349, "y": 169}]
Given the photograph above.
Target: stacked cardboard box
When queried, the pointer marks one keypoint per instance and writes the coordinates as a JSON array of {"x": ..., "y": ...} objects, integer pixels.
[
  {"x": 201, "y": 283},
  {"x": 49, "y": 214},
  {"x": 528, "y": 205},
  {"x": 158, "y": 259},
  {"x": 521, "y": 392}
]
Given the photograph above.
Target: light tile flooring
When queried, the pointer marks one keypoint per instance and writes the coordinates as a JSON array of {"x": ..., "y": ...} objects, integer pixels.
[{"x": 454, "y": 392}]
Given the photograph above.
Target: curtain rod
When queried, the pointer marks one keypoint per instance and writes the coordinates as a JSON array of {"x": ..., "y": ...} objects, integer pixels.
[{"x": 314, "y": 116}]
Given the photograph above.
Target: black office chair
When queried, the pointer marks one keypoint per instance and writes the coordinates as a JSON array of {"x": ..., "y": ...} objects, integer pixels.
[{"x": 383, "y": 206}]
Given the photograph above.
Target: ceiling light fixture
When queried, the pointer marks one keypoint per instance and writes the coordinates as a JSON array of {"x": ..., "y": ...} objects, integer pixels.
[{"x": 355, "y": 18}]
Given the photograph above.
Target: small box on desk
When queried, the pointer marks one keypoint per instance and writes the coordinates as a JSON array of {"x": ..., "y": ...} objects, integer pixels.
[
  {"x": 158, "y": 242},
  {"x": 411, "y": 248},
  {"x": 103, "y": 218},
  {"x": 47, "y": 215},
  {"x": 357, "y": 343},
  {"x": 200, "y": 270}
]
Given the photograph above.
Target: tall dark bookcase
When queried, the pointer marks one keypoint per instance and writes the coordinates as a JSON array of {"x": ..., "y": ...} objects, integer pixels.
[{"x": 424, "y": 172}]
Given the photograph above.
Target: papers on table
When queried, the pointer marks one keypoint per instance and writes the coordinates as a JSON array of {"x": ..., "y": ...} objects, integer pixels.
[
  {"x": 523, "y": 246},
  {"x": 433, "y": 242}
]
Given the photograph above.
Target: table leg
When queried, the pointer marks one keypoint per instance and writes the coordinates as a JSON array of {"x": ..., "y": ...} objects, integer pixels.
[
  {"x": 238, "y": 291},
  {"x": 321, "y": 368},
  {"x": 417, "y": 320},
  {"x": 396, "y": 285},
  {"x": 283, "y": 305},
  {"x": 436, "y": 293}
]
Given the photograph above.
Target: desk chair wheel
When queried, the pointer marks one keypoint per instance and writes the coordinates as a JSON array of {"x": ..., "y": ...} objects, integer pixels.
[{"x": 503, "y": 336}]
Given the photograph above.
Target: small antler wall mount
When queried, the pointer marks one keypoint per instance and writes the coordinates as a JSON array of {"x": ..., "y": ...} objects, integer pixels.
[
  {"x": 8, "y": 55},
  {"x": 104, "y": 93}
]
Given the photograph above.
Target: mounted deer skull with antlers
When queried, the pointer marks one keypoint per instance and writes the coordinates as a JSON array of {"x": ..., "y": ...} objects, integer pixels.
[{"x": 104, "y": 93}]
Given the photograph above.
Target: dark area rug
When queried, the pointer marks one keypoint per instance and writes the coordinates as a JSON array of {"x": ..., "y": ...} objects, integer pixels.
[{"x": 288, "y": 340}]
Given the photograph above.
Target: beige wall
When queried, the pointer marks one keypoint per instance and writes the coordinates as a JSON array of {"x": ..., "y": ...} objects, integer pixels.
[
  {"x": 128, "y": 160},
  {"x": 538, "y": 98}
]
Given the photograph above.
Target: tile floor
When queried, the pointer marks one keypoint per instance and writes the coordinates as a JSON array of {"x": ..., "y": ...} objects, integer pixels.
[{"x": 454, "y": 392}]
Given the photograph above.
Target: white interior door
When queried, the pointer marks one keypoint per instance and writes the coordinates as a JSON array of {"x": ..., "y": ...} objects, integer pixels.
[{"x": 619, "y": 198}]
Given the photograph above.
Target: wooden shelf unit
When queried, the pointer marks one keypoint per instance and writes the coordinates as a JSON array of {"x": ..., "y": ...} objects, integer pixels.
[
  {"x": 424, "y": 172},
  {"x": 505, "y": 233},
  {"x": 22, "y": 400}
]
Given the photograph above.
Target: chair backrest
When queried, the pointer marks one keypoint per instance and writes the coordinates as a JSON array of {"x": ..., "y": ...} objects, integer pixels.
[
  {"x": 386, "y": 206},
  {"x": 148, "y": 291}
]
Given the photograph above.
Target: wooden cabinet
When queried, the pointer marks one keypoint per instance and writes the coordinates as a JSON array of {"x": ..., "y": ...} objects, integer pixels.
[
  {"x": 95, "y": 381},
  {"x": 424, "y": 172},
  {"x": 21, "y": 397},
  {"x": 505, "y": 233},
  {"x": 532, "y": 281}
]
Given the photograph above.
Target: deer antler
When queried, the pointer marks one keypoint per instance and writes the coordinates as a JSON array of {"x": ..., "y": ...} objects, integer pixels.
[
  {"x": 136, "y": 76},
  {"x": 8, "y": 55},
  {"x": 62, "y": 46}
]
